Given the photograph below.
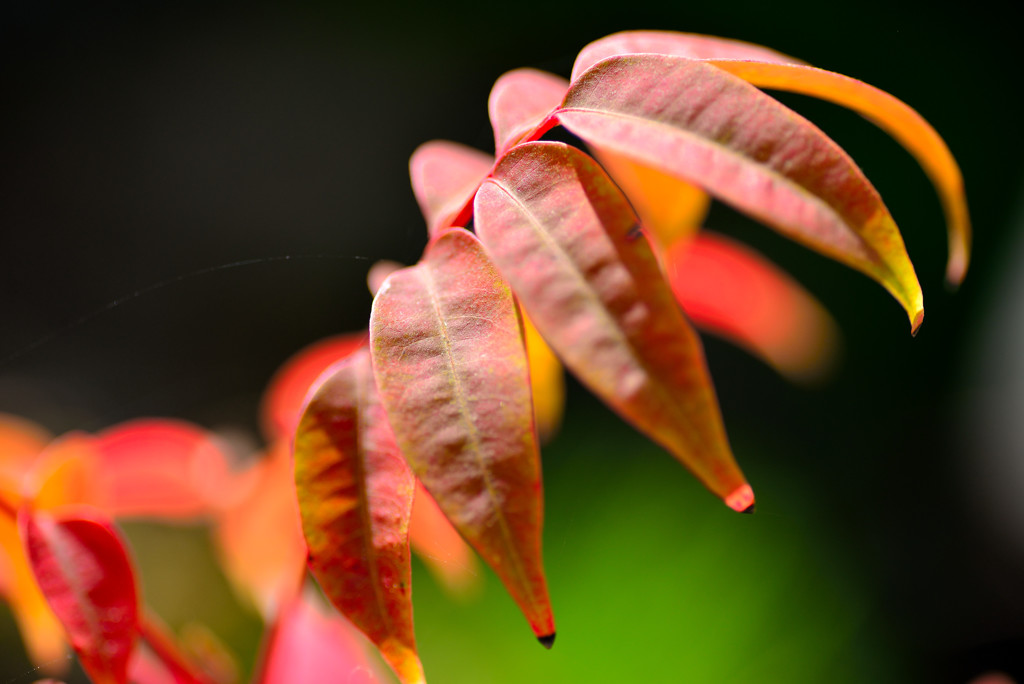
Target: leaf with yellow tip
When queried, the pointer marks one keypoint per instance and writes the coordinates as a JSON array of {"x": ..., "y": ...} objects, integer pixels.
[
  {"x": 355, "y": 495},
  {"x": 707, "y": 127}
]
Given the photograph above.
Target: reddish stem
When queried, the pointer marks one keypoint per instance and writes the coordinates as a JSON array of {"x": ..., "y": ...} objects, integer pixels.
[{"x": 166, "y": 649}]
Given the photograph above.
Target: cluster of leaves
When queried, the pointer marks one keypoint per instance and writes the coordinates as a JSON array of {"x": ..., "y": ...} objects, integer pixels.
[{"x": 432, "y": 419}]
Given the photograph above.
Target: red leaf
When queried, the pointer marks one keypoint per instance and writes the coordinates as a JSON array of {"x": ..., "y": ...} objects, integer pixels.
[
  {"x": 689, "y": 119},
  {"x": 450, "y": 361},
  {"x": 568, "y": 241},
  {"x": 355, "y": 496},
  {"x": 730, "y": 290},
  {"x": 520, "y": 100},
  {"x": 83, "y": 569},
  {"x": 444, "y": 177}
]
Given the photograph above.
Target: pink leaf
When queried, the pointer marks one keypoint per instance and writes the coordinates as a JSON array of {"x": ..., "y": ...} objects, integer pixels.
[
  {"x": 569, "y": 243},
  {"x": 690, "y": 45},
  {"x": 691, "y": 120},
  {"x": 450, "y": 361},
  {"x": 83, "y": 569},
  {"x": 444, "y": 177},
  {"x": 520, "y": 100}
]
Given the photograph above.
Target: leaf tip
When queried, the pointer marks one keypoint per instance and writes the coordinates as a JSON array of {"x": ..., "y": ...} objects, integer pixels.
[
  {"x": 915, "y": 322},
  {"x": 547, "y": 641},
  {"x": 741, "y": 499}
]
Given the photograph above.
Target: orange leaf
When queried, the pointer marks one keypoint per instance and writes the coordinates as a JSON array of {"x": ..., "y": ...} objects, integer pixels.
[
  {"x": 450, "y": 361},
  {"x": 355, "y": 495},
  {"x": 567, "y": 240}
]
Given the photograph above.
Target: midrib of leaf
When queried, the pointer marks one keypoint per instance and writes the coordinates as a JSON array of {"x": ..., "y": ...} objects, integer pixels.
[
  {"x": 506, "y": 535},
  {"x": 667, "y": 398},
  {"x": 364, "y": 507}
]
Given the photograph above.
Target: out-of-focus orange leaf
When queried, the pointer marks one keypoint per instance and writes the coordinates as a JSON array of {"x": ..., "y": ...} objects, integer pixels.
[
  {"x": 82, "y": 567},
  {"x": 259, "y": 534},
  {"x": 355, "y": 497},
  {"x": 519, "y": 102},
  {"x": 310, "y": 646},
  {"x": 669, "y": 209},
  {"x": 20, "y": 442},
  {"x": 547, "y": 382},
  {"x": 439, "y": 545},
  {"x": 451, "y": 365},
  {"x": 569, "y": 243},
  {"x": 286, "y": 394},
  {"x": 444, "y": 177},
  {"x": 692, "y": 120},
  {"x": 730, "y": 290}
]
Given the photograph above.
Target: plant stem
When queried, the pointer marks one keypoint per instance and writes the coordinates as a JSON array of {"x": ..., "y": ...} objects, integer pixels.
[{"x": 162, "y": 643}]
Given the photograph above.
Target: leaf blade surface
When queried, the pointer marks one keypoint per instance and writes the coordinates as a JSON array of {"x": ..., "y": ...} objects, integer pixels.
[
  {"x": 568, "y": 241},
  {"x": 691, "y": 120},
  {"x": 451, "y": 365}
]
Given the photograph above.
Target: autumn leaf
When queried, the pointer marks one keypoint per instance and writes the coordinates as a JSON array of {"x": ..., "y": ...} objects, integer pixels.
[
  {"x": 450, "y": 361},
  {"x": 81, "y": 565},
  {"x": 766, "y": 68},
  {"x": 519, "y": 101},
  {"x": 689, "y": 119},
  {"x": 569, "y": 243},
  {"x": 355, "y": 496},
  {"x": 444, "y": 177}
]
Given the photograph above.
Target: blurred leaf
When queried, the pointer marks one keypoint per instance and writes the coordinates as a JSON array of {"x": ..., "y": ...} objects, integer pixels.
[
  {"x": 439, "y": 545},
  {"x": 568, "y": 241},
  {"x": 730, "y": 290},
  {"x": 451, "y": 364},
  {"x": 83, "y": 569}
]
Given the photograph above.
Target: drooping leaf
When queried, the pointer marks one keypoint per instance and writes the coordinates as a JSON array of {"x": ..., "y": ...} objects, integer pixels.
[
  {"x": 730, "y": 290},
  {"x": 451, "y": 365},
  {"x": 444, "y": 177},
  {"x": 519, "y": 102},
  {"x": 690, "y": 45},
  {"x": 307, "y": 645},
  {"x": 258, "y": 532},
  {"x": 893, "y": 116},
  {"x": 355, "y": 496},
  {"x": 765, "y": 68},
  {"x": 440, "y": 547},
  {"x": 83, "y": 569},
  {"x": 692, "y": 120},
  {"x": 569, "y": 243},
  {"x": 283, "y": 400}
]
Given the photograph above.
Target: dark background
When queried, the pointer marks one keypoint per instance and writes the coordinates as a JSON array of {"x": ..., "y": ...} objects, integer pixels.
[{"x": 188, "y": 195}]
